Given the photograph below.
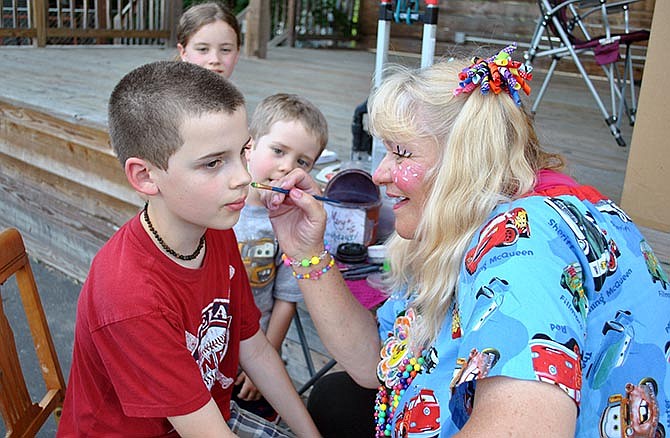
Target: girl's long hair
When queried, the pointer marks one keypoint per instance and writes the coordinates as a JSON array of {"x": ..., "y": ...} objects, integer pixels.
[
  {"x": 488, "y": 154},
  {"x": 201, "y": 14}
]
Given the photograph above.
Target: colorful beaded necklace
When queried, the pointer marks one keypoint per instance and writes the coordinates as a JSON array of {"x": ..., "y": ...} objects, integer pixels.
[{"x": 396, "y": 371}]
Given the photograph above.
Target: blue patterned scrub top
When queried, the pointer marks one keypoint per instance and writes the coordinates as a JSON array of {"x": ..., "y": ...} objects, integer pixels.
[{"x": 555, "y": 289}]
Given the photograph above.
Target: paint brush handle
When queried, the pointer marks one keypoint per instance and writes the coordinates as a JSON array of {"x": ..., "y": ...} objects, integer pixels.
[
  {"x": 324, "y": 199},
  {"x": 286, "y": 192}
]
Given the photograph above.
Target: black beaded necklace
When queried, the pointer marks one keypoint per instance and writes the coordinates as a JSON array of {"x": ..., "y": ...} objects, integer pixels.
[{"x": 164, "y": 245}]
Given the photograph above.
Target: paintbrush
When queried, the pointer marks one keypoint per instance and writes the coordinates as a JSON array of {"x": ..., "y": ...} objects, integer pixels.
[{"x": 284, "y": 191}]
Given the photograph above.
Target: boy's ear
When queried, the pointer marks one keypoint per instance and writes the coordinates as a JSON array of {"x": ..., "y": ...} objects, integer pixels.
[{"x": 138, "y": 173}]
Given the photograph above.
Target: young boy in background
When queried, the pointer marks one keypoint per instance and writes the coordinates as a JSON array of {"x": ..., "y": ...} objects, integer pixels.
[
  {"x": 288, "y": 132},
  {"x": 166, "y": 314}
]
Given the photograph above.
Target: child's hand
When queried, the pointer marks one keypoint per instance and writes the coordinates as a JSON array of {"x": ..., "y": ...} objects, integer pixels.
[
  {"x": 248, "y": 392},
  {"x": 299, "y": 220}
]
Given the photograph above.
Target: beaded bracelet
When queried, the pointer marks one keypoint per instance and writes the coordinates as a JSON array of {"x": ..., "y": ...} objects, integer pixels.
[
  {"x": 315, "y": 274},
  {"x": 306, "y": 262}
]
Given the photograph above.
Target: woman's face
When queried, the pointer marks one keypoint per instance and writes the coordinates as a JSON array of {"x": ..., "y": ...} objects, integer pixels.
[
  {"x": 213, "y": 46},
  {"x": 403, "y": 172}
]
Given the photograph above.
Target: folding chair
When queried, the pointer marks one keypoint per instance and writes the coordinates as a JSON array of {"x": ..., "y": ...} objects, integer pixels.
[
  {"x": 304, "y": 344},
  {"x": 22, "y": 416},
  {"x": 567, "y": 35}
]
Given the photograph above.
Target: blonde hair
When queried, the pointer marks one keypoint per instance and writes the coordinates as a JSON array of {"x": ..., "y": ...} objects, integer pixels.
[
  {"x": 282, "y": 107},
  {"x": 488, "y": 154}
]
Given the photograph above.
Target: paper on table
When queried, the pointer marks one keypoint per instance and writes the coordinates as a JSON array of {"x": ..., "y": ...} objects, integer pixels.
[{"x": 327, "y": 156}]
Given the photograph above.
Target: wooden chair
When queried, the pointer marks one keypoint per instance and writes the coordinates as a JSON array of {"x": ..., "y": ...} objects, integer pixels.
[{"x": 22, "y": 416}]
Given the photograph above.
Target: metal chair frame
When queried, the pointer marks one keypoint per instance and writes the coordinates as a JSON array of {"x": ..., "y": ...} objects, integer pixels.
[
  {"x": 560, "y": 20},
  {"x": 304, "y": 344}
]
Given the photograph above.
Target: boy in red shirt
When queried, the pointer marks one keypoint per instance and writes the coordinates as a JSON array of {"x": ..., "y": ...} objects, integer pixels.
[{"x": 166, "y": 313}]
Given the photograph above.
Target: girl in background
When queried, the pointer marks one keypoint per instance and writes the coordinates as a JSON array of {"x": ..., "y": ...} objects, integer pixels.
[{"x": 209, "y": 35}]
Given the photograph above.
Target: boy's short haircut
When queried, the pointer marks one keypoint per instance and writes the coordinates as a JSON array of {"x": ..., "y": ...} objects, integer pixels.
[
  {"x": 287, "y": 107},
  {"x": 149, "y": 105}
]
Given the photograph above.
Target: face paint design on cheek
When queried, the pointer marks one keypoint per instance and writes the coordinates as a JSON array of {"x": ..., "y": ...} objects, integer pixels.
[{"x": 408, "y": 176}]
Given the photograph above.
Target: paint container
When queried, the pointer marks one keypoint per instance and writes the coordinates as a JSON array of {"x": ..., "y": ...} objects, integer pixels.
[
  {"x": 355, "y": 219},
  {"x": 376, "y": 254}
]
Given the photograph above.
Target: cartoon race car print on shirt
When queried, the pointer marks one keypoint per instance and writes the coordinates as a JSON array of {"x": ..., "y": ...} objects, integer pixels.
[
  {"x": 503, "y": 230},
  {"x": 572, "y": 281},
  {"x": 633, "y": 414},
  {"x": 259, "y": 260},
  {"x": 609, "y": 207},
  {"x": 420, "y": 417},
  {"x": 653, "y": 266},
  {"x": 601, "y": 253},
  {"x": 478, "y": 365},
  {"x": 489, "y": 299},
  {"x": 618, "y": 336},
  {"x": 557, "y": 363}
]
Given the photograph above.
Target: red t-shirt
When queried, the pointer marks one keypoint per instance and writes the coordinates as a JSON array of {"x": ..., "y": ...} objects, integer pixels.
[{"x": 154, "y": 339}]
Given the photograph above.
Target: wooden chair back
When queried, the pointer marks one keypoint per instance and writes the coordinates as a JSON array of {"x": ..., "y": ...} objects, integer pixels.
[{"x": 22, "y": 416}]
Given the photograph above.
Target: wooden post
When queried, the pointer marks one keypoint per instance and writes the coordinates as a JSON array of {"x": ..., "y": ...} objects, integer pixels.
[
  {"x": 101, "y": 21},
  {"x": 649, "y": 5},
  {"x": 40, "y": 21},
  {"x": 645, "y": 196},
  {"x": 258, "y": 29},
  {"x": 174, "y": 9},
  {"x": 290, "y": 23}
]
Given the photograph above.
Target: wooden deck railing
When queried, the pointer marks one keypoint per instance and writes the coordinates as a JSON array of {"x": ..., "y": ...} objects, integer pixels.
[
  {"x": 328, "y": 23},
  {"x": 42, "y": 22}
]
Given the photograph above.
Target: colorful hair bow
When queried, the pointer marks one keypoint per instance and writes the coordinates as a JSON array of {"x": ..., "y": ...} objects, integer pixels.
[{"x": 497, "y": 73}]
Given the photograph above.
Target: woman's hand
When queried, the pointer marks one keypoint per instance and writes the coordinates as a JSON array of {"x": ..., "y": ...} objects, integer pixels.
[{"x": 299, "y": 220}]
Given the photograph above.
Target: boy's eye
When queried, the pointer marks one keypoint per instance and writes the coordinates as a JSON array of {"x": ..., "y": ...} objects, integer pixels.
[
  {"x": 213, "y": 164},
  {"x": 303, "y": 163},
  {"x": 277, "y": 151},
  {"x": 401, "y": 153},
  {"x": 201, "y": 49}
]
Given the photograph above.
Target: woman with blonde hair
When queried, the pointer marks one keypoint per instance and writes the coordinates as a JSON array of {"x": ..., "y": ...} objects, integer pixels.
[
  {"x": 209, "y": 35},
  {"x": 521, "y": 303}
]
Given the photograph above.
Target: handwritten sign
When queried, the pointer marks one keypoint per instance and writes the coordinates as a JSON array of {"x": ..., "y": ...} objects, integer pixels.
[{"x": 344, "y": 225}]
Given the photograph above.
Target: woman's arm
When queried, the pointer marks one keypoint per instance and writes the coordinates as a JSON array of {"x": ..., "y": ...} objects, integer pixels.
[
  {"x": 511, "y": 407},
  {"x": 347, "y": 329},
  {"x": 263, "y": 364}
]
